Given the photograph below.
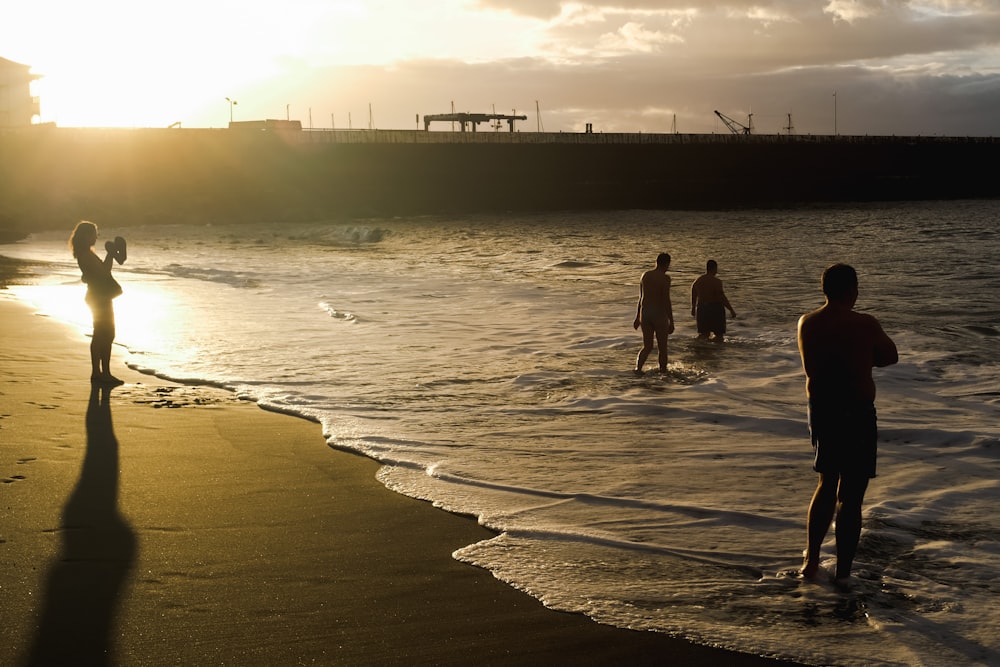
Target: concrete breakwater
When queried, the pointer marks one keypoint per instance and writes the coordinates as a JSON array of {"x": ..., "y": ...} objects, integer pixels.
[{"x": 51, "y": 177}]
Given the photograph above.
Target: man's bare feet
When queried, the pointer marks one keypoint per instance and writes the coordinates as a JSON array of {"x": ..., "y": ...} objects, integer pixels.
[
  {"x": 844, "y": 584},
  {"x": 106, "y": 378},
  {"x": 809, "y": 569}
]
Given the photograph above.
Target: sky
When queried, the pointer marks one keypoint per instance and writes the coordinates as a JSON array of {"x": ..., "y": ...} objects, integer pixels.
[{"x": 862, "y": 67}]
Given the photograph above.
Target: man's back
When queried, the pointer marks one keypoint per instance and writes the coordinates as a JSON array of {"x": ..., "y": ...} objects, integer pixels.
[
  {"x": 839, "y": 348},
  {"x": 655, "y": 289},
  {"x": 708, "y": 289}
]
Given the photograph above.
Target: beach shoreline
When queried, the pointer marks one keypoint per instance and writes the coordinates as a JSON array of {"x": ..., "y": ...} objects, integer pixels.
[
  {"x": 161, "y": 523},
  {"x": 158, "y": 523},
  {"x": 493, "y": 380}
]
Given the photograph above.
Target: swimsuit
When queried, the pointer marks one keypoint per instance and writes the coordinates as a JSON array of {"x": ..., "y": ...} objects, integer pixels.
[
  {"x": 844, "y": 437},
  {"x": 101, "y": 289},
  {"x": 711, "y": 318},
  {"x": 652, "y": 314}
]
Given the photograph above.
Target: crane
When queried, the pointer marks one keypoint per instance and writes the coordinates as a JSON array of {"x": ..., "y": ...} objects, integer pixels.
[{"x": 735, "y": 126}]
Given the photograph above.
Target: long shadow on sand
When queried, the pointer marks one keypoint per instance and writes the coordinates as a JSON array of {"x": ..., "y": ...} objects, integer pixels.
[{"x": 98, "y": 551}]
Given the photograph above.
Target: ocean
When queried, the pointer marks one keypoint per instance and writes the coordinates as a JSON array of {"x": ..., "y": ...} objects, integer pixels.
[{"x": 486, "y": 362}]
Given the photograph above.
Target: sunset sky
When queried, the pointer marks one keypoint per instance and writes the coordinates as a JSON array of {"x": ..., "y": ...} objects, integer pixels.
[{"x": 921, "y": 67}]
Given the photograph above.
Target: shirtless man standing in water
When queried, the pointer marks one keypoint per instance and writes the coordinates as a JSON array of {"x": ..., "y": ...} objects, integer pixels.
[
  {"x": 654, "y": 313},
  {"x": 709, "y": 303},
  {"x": 839, "y": 348}
]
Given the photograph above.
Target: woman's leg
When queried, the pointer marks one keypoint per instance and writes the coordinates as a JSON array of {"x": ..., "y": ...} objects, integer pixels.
[
  {"x": 95, "y": 355},
  {"x": 101, "y": 342}
]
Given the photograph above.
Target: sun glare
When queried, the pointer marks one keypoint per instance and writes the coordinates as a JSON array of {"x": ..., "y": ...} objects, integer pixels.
[
  {"x": 143, "y": 314},
  {"x": 102, "y": 66}
]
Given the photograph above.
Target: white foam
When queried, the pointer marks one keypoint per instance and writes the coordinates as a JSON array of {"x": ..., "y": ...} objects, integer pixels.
[{"x": 486, "y": 362}]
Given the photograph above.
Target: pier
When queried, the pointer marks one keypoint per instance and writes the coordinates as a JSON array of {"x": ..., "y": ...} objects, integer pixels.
[{"x": 55, "y": 176}]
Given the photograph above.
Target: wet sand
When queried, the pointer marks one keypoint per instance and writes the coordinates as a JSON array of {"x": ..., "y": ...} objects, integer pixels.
[{"x": 156, "y": 523}]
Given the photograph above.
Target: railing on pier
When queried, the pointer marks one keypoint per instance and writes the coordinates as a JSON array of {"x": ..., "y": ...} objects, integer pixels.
[
  {"x": 345, "y": 136},
  {"x": 587, "y": 138}
]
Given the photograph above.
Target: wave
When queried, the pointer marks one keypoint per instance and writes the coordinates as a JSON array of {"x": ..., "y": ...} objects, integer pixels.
[
  {"x": 332, "y": 234},
  {"x": 672, "y": 502},
  {"x": 237, "y": 279},
  {"x": 338, "y": 314}
]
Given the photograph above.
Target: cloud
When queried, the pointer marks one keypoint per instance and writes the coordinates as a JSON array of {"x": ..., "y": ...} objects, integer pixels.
[
  {"x": 633, "y": 38},
  {"x": 637, "y": 94},
  {"x": 898, "y": 66},
  {"x": 852, "y": 10}
]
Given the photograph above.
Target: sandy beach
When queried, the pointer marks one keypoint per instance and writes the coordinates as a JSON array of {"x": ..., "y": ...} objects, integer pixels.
[{"x": 156, "y": 523}]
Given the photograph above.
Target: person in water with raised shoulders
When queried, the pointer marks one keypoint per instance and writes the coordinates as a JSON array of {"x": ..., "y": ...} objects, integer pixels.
[
  {"x": 839, "y": 347},
  {"x": 654, "y": 312}
]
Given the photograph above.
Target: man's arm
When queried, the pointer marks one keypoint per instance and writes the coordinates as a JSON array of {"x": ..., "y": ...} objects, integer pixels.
[
  {"x": 884, "y": 351},
  {"x": 638, "y": 308},
  {"x": 801, "y": 339},
  {"x": 666, "y": 300},
  {"x": 812, "y": 349},
  {"x": 725, "y": 301}
]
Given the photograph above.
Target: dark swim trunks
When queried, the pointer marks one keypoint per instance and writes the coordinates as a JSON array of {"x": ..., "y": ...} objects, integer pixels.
[
  {"x": 652, "y": 315},
  {"x": 711, "y": 318},
  {"x": 844, "y": 437}
]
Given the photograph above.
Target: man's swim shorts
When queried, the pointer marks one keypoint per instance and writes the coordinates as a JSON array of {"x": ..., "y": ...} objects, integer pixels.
[
  {"x": 711, "y": 318},
  {"x": 844, "y": 437}
]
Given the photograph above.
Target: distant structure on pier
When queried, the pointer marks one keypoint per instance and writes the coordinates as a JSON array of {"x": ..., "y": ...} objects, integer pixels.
[
  {"x": 735, "y": 126},
  {"x": 267, "y": 124},
  {"x": 473, "y": 119},
  {"x": 18, "y": 106}
]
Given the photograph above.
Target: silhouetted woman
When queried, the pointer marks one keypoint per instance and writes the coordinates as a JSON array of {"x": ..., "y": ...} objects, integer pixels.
[{"x": 101, "y": 289}]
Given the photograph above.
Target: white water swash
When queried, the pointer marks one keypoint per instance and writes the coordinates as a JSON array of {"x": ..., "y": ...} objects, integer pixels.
[{"x": 485, "y": 361}]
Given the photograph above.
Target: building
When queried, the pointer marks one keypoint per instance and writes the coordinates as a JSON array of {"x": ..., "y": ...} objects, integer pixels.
[{"x": 18, "y": 107}]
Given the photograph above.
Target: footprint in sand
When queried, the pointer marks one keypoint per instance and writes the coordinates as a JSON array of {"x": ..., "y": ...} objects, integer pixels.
[
  {"x": 18, "y": 478},
  {"x": 181, "y": 397}
]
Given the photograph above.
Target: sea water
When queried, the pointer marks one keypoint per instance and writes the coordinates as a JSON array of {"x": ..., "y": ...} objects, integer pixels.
[{"x": 486, "y": 362}]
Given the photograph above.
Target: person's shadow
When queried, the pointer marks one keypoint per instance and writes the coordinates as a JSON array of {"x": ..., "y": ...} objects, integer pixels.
[{"x": 83, "y": 587}]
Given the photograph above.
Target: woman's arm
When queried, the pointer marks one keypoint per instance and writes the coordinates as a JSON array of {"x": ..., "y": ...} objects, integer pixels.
[
  {"x": 109, "y": 259},
  {"x": 92, "y": 267}
]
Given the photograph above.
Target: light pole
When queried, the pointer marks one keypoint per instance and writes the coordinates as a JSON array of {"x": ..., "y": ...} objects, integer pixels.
[{"x": 232, "y": 103}]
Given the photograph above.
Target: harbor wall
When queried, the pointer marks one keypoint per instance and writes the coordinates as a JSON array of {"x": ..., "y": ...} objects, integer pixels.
[{"x": 52, "y": 177}]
